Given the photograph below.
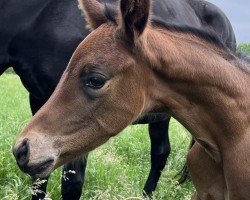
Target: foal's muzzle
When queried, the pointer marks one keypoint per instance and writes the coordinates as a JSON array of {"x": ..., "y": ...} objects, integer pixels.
[{"x": 22, "y": 155}]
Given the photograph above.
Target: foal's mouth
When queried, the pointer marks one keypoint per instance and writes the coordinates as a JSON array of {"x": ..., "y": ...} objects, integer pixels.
[{"x": 40, "y": 170}]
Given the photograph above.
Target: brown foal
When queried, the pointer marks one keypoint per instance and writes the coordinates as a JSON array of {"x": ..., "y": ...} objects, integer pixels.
[{"x": 127, "y": 68}]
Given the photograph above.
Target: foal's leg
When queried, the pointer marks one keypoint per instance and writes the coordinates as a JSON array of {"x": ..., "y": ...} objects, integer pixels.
[
  {"x": 206, "y": 174},
  {"x": 73, "y": 178},
  {"x": 160, "y": 150}
]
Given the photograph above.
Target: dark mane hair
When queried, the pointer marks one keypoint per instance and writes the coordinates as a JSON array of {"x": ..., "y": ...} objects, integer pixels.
[
  {"x": 243, "y": 56},
  {"x": 205, "y": 34},
  {"x": 208, "y": 35}
]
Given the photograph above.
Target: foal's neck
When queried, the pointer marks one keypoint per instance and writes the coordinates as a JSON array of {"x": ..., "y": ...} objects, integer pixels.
[{"x": 199, "y": 86}]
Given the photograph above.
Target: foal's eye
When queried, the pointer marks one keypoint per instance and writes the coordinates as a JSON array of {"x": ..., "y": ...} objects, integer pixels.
[{"x": 96, "y": 82}]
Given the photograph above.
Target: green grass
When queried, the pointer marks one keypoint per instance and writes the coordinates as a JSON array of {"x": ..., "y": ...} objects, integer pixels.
[
  {"x": 245, "y": 47},
  {"x": 10, "y": 71},
  {"x": 117, "y": 170}
]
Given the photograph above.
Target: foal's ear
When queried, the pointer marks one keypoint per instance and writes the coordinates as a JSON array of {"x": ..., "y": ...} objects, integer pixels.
[
  {"x": 134, "y": 17},
  {"x": 93, "y": 12}
]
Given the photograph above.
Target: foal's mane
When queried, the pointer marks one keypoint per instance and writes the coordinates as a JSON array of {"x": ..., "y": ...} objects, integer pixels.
[
  {"x": 243, "y": 56},
  {"x": 207, "y": 34}
]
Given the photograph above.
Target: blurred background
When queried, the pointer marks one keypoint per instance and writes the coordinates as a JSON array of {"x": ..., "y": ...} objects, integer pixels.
[{"x": 238, "y": 13}]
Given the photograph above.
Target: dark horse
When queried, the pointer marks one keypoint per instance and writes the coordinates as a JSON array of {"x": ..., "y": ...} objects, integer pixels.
[{"x": 38, "y": 37}]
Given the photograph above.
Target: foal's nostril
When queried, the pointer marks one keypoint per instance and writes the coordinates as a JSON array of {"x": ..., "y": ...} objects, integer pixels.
[{"x": 22, "y": 153}]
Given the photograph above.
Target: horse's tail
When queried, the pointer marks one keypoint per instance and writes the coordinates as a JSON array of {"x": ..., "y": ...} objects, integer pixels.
[{"x": 184, "y": 174}]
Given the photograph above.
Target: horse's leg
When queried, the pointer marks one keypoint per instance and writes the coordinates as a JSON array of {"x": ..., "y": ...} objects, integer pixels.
[
  {"x": 160, "y": 150},
  {"x": 73, "y": 178},
  {"x": 35, "y": 105},
  {"x": 206, "y": 174}
]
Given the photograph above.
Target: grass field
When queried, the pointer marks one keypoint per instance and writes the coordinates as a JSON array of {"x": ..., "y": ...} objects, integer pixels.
[
  {"x": 245, "y": 47},
  {"x": 117, "y": 170}
]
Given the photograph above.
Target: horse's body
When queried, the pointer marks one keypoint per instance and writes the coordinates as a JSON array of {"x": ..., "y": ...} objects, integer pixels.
[
  {"x": 38, "y": 38},
  {"x": 136, "y": 69}
]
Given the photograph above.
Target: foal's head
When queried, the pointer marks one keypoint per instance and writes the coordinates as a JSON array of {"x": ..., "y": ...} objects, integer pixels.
[{"x": 103, "y": 90}]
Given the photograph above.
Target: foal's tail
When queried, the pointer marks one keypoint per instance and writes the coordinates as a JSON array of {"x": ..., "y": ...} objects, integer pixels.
[{"x": 184, "y": 174}]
